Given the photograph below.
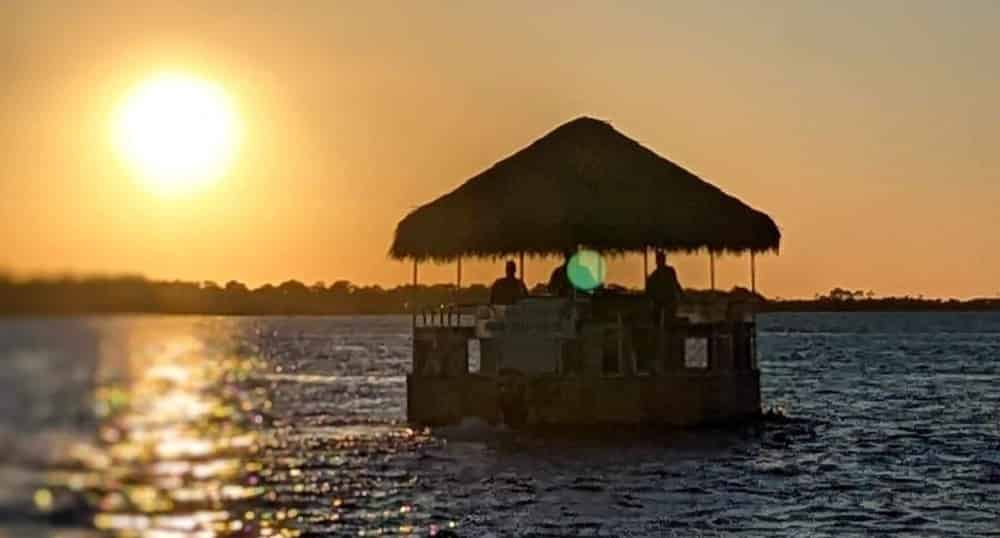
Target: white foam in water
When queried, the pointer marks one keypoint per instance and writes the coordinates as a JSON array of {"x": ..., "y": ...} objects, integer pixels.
[{"x": 469, "y": 429}]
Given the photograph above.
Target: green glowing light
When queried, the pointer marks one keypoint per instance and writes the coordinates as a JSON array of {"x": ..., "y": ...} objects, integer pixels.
[{"x": 586, "y": 270}]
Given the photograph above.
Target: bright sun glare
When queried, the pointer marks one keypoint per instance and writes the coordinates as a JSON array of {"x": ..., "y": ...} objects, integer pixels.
[{"x": 177, "y": 132}]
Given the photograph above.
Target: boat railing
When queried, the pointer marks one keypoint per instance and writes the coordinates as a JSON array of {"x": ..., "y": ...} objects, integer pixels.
[
  {"x": 453, "y": 315},
  {"x": 471, "y": 314}
]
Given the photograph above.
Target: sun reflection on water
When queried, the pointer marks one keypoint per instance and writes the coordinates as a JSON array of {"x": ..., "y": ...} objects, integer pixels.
[
  {"x": 175, "y": 448},
  {"x": 191, "y": 442}
]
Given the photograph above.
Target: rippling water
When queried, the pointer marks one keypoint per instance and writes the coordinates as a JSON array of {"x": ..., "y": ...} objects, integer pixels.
[{"x": 168, "y": 427}]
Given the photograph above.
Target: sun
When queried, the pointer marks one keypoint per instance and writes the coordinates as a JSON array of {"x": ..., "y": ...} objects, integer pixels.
[{"x": 177, "y": 132}]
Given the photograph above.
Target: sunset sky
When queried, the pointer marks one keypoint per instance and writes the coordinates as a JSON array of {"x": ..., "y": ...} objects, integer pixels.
[{"x": 868, "y": 130}]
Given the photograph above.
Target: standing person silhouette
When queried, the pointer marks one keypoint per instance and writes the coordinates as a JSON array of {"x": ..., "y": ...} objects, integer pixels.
[
  {"x": 509, "y": 289},
  {"x": 663, "y": 287}
]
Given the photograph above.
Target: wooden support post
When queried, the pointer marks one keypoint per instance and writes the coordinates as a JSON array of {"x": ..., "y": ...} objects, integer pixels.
[
  {"x": 753, "y": 274},
  {"x": 413, "y": 297},
  {"x": 521, "y": 268},
  {"x": 645, "y": 266},
  {"x": 663, "y": 351},
  {"x": 711, "y": 268},
  {"x": 458, "y": 280},
  {"x": 621, "y": 345}
]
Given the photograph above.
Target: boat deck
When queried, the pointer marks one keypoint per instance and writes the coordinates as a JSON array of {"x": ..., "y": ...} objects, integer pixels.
[{"x": 539, "y": 366}]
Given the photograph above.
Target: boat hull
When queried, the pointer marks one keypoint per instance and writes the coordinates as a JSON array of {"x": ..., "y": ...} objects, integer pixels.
[{"x": 678, "y": 399}]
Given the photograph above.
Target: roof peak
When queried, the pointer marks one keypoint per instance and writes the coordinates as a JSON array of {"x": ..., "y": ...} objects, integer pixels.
[{"x": 585, "y": 120}]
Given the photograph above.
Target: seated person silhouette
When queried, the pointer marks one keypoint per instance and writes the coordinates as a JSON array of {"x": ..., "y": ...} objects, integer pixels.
[
  {"x": 559, "y": 284},
  {"x": 663, "y": 288},
  {"x": 509, "y": 289}
]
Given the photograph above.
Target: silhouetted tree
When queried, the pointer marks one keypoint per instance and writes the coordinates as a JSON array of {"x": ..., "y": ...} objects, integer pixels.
[{"x": 236, "y": 287}]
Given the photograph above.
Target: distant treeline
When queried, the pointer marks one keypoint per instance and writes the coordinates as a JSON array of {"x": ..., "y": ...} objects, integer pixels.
[
  {"x": 138, "y": 295},
  {"x": 68, "y": 296},
  {"x": 843, "y": 300}
]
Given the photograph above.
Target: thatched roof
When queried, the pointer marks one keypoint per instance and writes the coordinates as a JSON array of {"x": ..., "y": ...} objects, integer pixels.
[{"x": 583, "y": 184}]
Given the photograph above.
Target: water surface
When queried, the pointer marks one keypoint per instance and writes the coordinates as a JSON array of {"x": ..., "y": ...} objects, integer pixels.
[{"x": 196, "y": 426}]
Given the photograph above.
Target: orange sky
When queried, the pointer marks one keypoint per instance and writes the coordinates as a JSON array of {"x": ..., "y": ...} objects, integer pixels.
[{"x": 867, "y": 130}]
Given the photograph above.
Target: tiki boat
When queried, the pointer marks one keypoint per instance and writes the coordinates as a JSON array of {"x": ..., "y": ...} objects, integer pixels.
[{"x": 591, "y": 359}]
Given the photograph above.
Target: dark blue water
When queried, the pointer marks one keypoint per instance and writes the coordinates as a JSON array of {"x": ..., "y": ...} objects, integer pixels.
[{"x": 164, "y": 427}]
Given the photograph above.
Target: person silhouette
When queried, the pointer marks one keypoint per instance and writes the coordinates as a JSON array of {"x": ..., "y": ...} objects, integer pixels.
[
  {"x": 559, "y": 283},
  {"x": 663, "y": 287},
  {"x": 509, "y": 289}
]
